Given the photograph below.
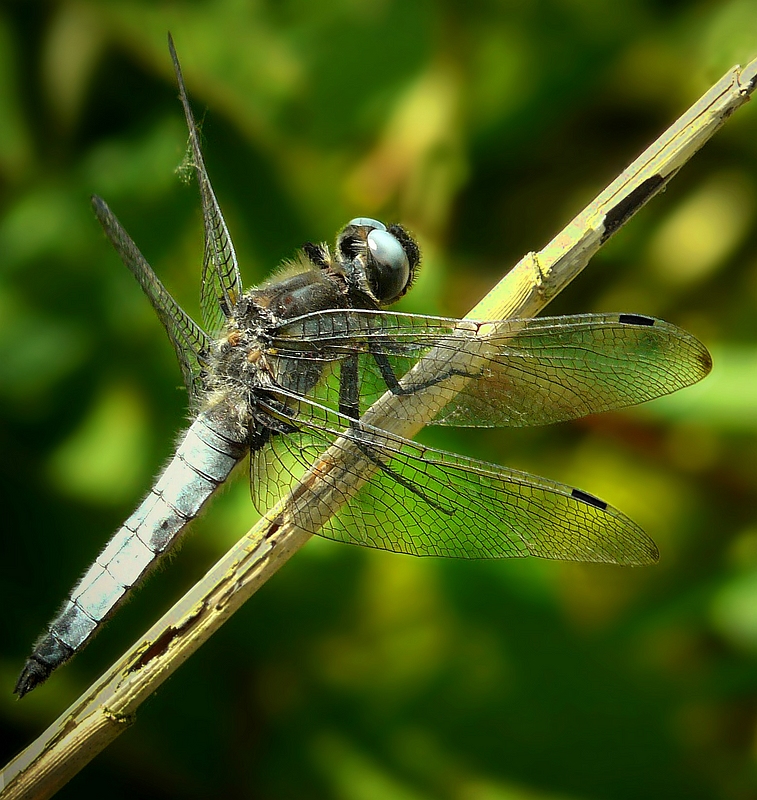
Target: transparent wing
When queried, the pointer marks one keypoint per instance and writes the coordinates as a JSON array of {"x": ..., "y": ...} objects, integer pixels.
[
  {"x": 221, "y": 283},
  {"x": 514, "y": 372},
  {"x": 190, "y": 342},
  {"x": 427, "y": 502}
]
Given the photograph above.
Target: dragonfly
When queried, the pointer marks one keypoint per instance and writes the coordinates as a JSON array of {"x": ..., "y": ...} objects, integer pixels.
[{"x": 284, "y": 371}]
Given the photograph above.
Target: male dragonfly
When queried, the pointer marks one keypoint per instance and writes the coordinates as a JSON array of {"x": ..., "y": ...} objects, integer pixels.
[{"x": 285, "y": 370}]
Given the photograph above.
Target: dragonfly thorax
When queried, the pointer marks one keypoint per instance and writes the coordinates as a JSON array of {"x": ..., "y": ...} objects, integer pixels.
[{"x": 243, "y": 361}]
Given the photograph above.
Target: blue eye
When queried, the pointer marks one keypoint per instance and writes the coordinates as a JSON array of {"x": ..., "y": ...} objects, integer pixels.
[
  {"x": 367, "y": 222},
  {"x": 390, "y": 268}
]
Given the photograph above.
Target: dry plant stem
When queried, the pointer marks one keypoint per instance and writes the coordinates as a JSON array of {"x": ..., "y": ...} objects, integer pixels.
[{"x": 108, "y": 707}]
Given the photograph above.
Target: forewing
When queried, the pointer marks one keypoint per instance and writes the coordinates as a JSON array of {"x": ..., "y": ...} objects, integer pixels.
[
  {"x": 190, "y": 342},
  {"x": 513, "y": 372},
  {"x": 221, "y": 283},
  {"x": 427, "y": 502},
  {"x": 564, "y": 368}
]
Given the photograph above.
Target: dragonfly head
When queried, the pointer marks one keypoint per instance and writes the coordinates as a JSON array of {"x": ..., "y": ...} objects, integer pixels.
[{"x": 375, "y": 260}]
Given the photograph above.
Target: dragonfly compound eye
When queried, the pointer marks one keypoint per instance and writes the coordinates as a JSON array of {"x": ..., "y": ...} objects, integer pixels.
[
  {"x": 367, "y": 222},
  {"x": 389, "y": 271}
]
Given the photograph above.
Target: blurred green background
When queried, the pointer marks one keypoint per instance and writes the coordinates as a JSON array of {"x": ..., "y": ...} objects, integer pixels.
[{"x": 484, "y": 127}]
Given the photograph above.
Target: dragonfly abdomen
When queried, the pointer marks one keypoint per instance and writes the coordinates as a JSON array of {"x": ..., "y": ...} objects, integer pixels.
[{"x": 203, "y": 460}]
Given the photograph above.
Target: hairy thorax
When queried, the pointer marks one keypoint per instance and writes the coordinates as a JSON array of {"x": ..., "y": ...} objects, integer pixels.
[{"x": 243, "y": 361}]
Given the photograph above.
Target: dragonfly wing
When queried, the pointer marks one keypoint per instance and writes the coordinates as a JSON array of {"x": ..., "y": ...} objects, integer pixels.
[
  {"x": 513, "y": 372},
  {"x": 190, "y": 342},
  {"x": 563, "y": 368},
  {"x": 277, "y": 466},
  {"x": 427, "y": 502},
  {"x": 221, "y": 283}
]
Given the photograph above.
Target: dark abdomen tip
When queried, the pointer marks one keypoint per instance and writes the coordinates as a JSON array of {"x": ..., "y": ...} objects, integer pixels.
[
  {"x": 33, "y": 673},
  {"x": 49, "y": 653}
]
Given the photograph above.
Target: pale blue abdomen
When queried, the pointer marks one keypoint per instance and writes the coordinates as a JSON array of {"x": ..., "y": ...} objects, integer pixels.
[{"x": 203, "y": 460}]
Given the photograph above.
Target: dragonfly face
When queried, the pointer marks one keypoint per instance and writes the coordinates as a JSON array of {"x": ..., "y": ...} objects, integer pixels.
[{"x": 285, "y": 371}]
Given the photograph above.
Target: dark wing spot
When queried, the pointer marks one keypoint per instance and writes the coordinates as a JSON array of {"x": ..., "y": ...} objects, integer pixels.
[
  {"x": 617, "y": 216},
  {"x": 589, "y": 499},
  {"x": 635, "y": 319},
  {"x": 706, "y": 361}
]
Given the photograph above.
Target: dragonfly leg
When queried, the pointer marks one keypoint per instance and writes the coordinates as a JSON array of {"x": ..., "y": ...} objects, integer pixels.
[
  {"x": 396, "y": 388},
  {"x": 349, "y": 399},
  {"x": 414, "y": 488}
]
